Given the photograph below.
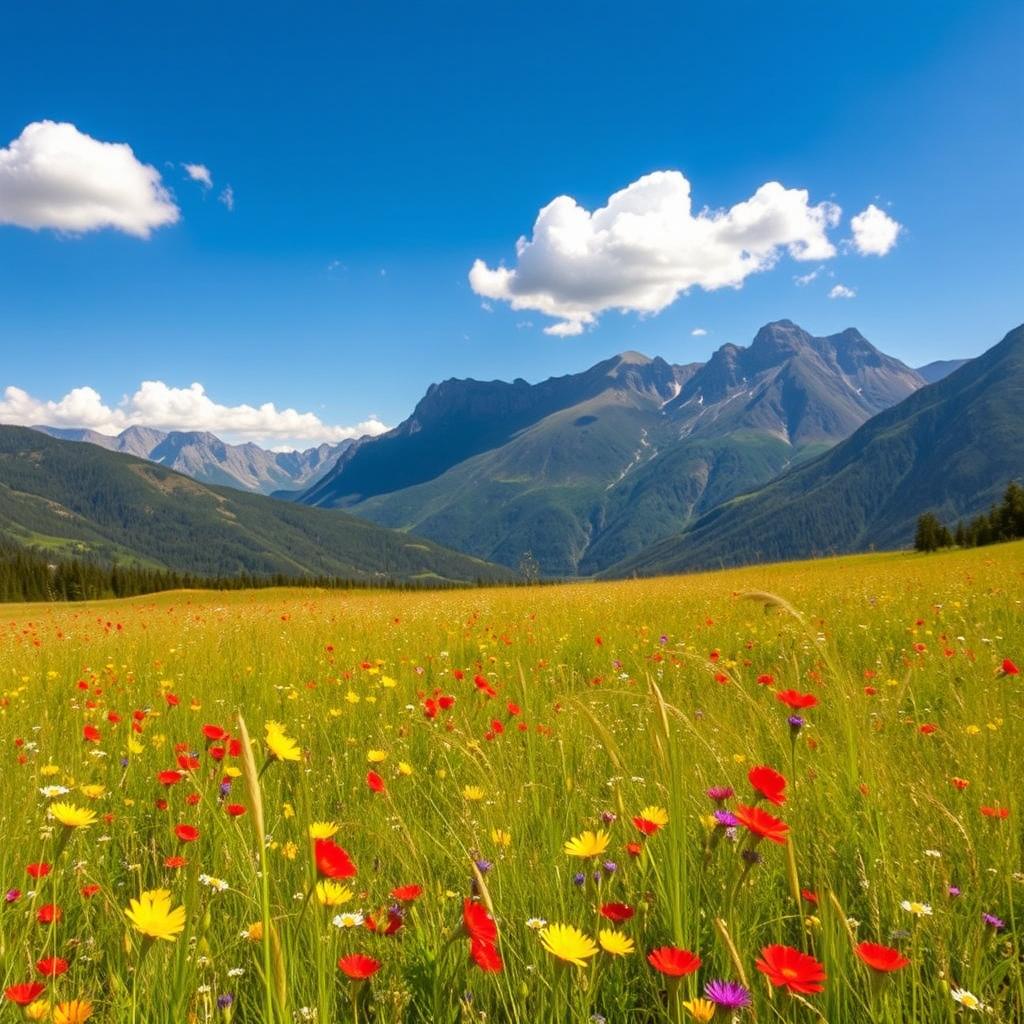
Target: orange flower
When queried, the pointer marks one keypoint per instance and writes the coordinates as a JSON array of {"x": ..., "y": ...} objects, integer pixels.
[
  {"x": 358, "y": 967},
  {"x": 881, "y": 958},
  {"x": 762, "y": 824}
]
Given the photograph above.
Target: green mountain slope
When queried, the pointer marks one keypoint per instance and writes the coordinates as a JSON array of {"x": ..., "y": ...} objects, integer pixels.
[
  {"x": 949, "y": 448},
  {"x": 79, "y": 498},
  {"x": 585, "y": 470}
]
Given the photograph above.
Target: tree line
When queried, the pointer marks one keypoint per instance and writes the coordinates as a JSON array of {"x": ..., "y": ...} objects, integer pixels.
[
  {"x": 1002, "y": 522},
  {"x": 31, "y": 575}
]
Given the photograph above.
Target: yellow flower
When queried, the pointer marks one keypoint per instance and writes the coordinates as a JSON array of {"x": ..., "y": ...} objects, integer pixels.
[
  {"x": 152, "y": 916},
  {"x": 655, "y": 815},
  {"x": 501, "y": 837},
  {"x": 93, "y": 791},
  {"x": 71, "y": 816},
  {"x": 332, "y": 894},
  {"x": 376, "y": 756},
  {"x": 290, "y": 850},
  {"x": 287, "y": 810},
  {"x": 49, "y": 769},
  {"x": 615, "y": 942},
  {"x": 590, "y": 844},
  {"x": 568, "y": 943},
  {"x": 135, "y": 747},
  {"x": 232, "y": 771},
  {"x": 38, "y": 1010},
  {"x": 323, "y": 830},
  {"x": 280, "y": 746},
  {"x": 254, "y": 933},
  {"x": 473, "y": 793},
  {"x": 701, "y": 1010},
  {"x": 78, "y": 1011},
  {"x": 404, "y": 768}
]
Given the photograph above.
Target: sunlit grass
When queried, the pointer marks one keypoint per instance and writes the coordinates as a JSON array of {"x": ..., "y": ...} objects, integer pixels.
[{"x": 576, "y": 709}]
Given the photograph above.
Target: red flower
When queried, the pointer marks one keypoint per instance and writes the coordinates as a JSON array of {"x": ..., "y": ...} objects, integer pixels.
[
  {"x": 24, "y": 993},
  {"x": 395, "y": 921},
  {"x": 995, "y": 812},
  {"x": 358, "y": 967},
  {"x": 407, "y": 893},
  {"x": 676, "y": 963},
  {"x": 235, "y": 810},
  {"x": 174, "y": 862},
  {"x": 91, "y": 734},
  {"x": 52, "y": 966},
  {"x": 927, "y": 729},
  {"x": 765, "y": 679},
  {"x": 40, "y": 870},
  {"x": 769, "y": 783},
  {"x": 375, "y": 782},
  {"x": 49, "y": 913},
  {"x": 788, "y": 968},
  {"x": 881, "y": 958},
  {"x": 332, "y": 861},
  {"x": 1009, "y": 669},
  {"x": 186, "y": 833},
  {"x": 617, "y": 911},
  {"x": 634, "y": 849},
  {"x": 90, "y": 890},
  {"x": 214, "y": 732},
  {"x": 797, "y": 700},
  {"x": 169, "y": 777},
  {"x": 478, "y": 923},
  {"x": 486, "y": 956},
  {"x": 761, "y": 823},
  {"x": 809, "y": 895},
  {"x": 959, "y": 783},
  {"x": 647, "y": 827}
]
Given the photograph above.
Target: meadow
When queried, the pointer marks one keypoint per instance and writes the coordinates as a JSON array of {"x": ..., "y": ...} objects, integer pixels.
[{"x": 781, "y": 793}]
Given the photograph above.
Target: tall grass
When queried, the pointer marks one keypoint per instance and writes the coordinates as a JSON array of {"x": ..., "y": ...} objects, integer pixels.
[{"x": 625, "y": 695}]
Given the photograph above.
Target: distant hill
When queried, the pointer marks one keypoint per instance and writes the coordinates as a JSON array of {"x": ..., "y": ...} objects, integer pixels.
[
  {"x": 934, "y": 372},
  {"x": 80, "y": 499},
  {"x": 208, "y": 459},
  {"x": 950, "y": 448},
  {"x": 584, "y": 470}
]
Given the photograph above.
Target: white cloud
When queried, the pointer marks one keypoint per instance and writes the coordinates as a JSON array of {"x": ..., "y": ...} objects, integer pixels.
[
  {"x": 698, "y": 332},
  {"x": 54, "y": 176},
  {"x": 155, "y": 404},
  {"x": 874, "y": 231},
  {"x": 227, "y": 197},
  {"x": 646, "y": 247},
  {"x": 805, "y": 279},
  {"x": 200, "y": 173},
  {"x": 840, "y": 291}
]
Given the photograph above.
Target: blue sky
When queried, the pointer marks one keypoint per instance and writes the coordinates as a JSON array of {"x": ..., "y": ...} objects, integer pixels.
[{"x": 376, "y": 151}]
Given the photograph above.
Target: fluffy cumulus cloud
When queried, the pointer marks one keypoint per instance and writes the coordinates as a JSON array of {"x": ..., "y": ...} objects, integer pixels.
[
  {"x": 155, "y": 404},
  {"x": 54, "y": 176},
  {"x": 840, "y": 291},
  {"x": 874, "y": 231},
  {"x": 647, "y": 246}
]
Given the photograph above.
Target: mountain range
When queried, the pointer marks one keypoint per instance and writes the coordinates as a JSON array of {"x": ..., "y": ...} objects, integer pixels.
[
  {"x": 584, "y": 471},
  {"x": 208, "y": 459},
  {"x": 950, "y": 448},
  {"x": 80, "y": 499}
]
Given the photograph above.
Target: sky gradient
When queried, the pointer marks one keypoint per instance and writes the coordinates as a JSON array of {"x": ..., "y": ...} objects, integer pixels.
[{"x": 374, "y": 152}]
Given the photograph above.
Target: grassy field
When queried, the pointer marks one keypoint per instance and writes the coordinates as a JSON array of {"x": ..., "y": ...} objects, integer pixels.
[{"x": 453, "y": 744}]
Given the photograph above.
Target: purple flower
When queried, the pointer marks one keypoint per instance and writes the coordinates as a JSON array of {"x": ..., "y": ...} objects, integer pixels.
[
  {"x": 610, "y": 867},
  {"x": 726, "y": 819},
  {"x": 953, "y": 890},
  {"x": 720, "y": 793},
  {"x": 730, "y": 995},
  {"x": 996, "y": 923},
  {"x": 608, "y": 817},
  {"x": 579, "y": 878},
  {"x": 225, "y": 1000},
  {"x": 484, "y": 865},
  {"x": 752, "y": 857},
  {"x": 796, "y": 723}
]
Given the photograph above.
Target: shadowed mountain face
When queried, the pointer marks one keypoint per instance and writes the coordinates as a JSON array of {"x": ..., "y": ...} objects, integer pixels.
[
  {"x": 934, "y": 372},
  {"x": 950, "y": 448},
  {"x": 77, "y": 499},
  {"x": 584, "y": 470},
  {"x": 208, "y": 459}
]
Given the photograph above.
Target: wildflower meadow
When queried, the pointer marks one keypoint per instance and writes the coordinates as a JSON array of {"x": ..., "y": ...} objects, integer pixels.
[{"x": 781, "y": 793}]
